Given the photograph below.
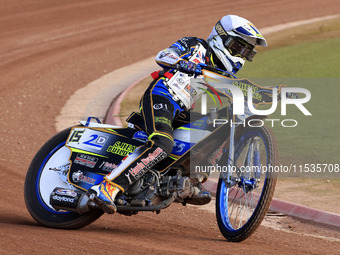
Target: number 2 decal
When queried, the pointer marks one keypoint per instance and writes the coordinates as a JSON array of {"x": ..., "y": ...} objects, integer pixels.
[
  {"x": 96, "y": 141},
  {"x": 90, "y": 142}
]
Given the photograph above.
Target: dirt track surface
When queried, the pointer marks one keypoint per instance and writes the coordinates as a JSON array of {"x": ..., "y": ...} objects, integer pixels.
[{"x": 48, "y": 50}]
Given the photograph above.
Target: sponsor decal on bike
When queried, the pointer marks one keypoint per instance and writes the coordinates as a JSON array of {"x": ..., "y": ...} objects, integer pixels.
[
  {"x": 66, "y": 192},
  {"x": 80, "y": 177},
  {"x": 63, "y": 199},
  {"x": 86, "y": 160},
  {"x": 216, "y": 156},
  {"x": 108, "y": 167},
  {"x": 147, "y": 163},
  {"x": 140, "y": 136},
  {"x": 127, "y": 175},
  {"x": 121, "y": 148},
  {"x": 87, "y": 137},
  {"x": 199, "y": 123},
  {"x": 180, "y": 147}
]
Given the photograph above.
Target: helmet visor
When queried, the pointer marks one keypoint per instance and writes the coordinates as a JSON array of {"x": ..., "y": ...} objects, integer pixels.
[{"x": 239, "y": 48}]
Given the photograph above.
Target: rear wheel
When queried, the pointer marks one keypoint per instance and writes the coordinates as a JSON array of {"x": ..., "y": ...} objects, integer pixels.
[
  {"x": 240, "y": 208},
  {"x": 47, "y": 171}
]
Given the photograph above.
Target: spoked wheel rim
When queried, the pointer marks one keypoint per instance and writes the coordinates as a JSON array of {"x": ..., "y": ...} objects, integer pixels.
[{"x": 239, "y": 203}]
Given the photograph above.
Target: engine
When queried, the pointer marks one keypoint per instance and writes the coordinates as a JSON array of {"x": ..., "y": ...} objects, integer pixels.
[
  {"x": 154, "y": 188},
  {"x": 152, "y": 192}
]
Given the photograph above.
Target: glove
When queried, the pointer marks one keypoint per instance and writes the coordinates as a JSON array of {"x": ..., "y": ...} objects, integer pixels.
[{"x": 187, "y": 67}]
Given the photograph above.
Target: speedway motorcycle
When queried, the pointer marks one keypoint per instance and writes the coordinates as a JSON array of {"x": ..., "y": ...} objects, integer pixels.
[{"x": 73, "y": 160}]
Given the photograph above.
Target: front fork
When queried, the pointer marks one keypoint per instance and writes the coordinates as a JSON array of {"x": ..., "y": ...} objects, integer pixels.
[
  {"x": 251, "y": 163},
  {"x": 228, "y": 179}
]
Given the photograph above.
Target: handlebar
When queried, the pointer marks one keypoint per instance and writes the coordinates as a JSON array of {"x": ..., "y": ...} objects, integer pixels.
[{"x": 202, "y": 66}]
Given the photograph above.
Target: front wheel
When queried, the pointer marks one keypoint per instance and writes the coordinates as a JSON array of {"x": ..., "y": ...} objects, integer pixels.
[
  {"x": 241, "y": 207},
  {"x": 47, "y": 171}
]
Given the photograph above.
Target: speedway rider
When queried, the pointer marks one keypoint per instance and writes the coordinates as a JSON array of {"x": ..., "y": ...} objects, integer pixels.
[{"x": 231, "y": 42}]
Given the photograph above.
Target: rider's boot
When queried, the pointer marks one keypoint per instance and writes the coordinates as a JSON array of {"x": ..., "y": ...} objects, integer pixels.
[
  {"x": 199, "y": 197},
  {"x": 103, "y": 195}
]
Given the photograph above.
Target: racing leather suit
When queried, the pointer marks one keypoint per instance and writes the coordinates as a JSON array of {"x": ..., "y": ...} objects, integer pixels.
[{"x": 161, "y": 103}]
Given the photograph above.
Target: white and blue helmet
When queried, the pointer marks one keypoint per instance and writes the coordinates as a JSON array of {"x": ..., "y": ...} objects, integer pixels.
[{"x": 233, "y": 40}]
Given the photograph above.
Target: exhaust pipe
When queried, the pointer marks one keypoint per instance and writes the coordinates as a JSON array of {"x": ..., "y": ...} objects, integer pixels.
[{"x": 71, "y": 200}]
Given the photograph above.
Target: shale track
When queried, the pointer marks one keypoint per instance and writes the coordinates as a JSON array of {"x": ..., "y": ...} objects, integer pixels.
[{"x": 51, "y": 48}]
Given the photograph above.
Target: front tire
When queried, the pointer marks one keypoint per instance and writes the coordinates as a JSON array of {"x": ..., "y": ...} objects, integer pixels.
[
  {"x": 241, "y": 208},
  {"x": 40, "y": 182}
]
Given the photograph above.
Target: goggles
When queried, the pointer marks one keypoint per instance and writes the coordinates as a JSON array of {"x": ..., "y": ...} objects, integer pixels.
[{"x": 239, "y": 48}]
